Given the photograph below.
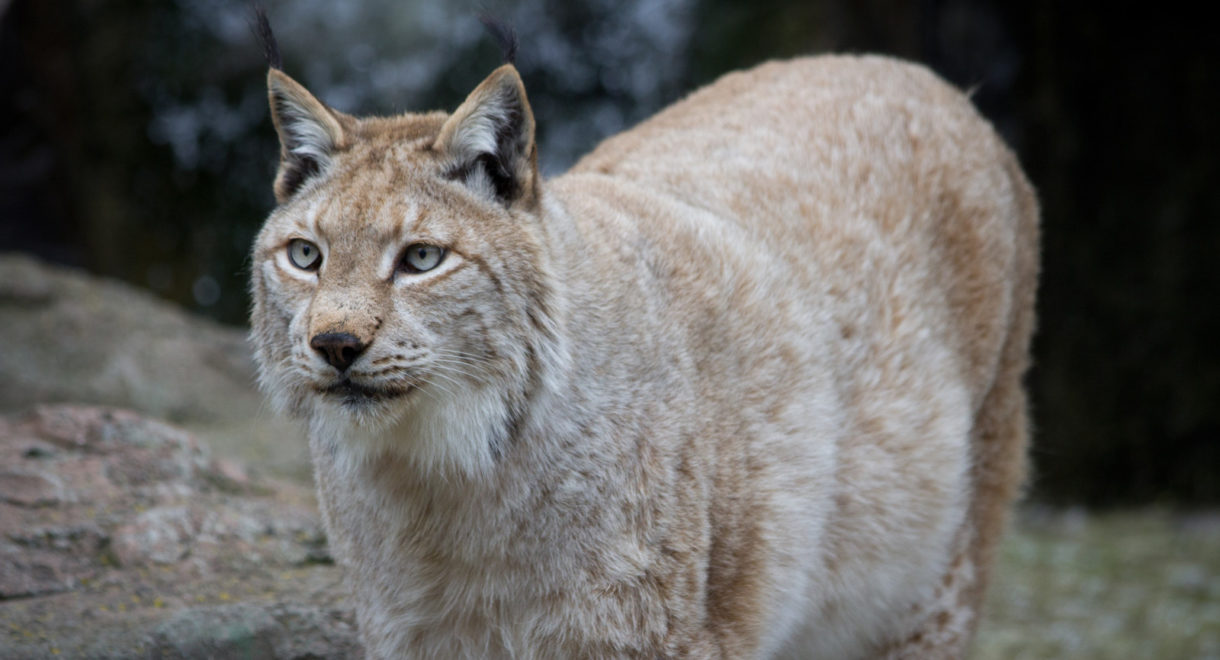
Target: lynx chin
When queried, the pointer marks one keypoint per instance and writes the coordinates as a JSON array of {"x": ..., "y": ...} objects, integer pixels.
[{"x": 746, "y": 382}]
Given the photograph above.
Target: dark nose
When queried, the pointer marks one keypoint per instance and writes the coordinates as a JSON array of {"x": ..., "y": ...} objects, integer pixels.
[{"x": 339, "y": 348}]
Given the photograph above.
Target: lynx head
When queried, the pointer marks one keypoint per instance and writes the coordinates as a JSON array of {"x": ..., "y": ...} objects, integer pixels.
[{"x": 400, "y": 286}]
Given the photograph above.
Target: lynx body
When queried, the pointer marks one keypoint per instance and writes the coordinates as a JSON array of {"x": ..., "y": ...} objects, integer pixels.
[{"x": 744, "y": 383}]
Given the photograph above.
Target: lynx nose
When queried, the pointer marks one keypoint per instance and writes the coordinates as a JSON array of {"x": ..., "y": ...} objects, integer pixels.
[{"x": 339, "y": 348}]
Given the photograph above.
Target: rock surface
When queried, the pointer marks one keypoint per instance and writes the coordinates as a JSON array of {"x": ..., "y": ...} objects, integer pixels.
[
  {"x": 121, "y": 537},
  {"x": 69, "y": 337},
  {"x": 90, "y": 340}
]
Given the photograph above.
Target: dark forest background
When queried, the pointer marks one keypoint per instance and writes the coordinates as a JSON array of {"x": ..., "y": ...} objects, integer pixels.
[{"x": 135, "y": 143}]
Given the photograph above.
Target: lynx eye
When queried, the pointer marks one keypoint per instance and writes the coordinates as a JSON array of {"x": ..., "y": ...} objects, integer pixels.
[
  {"x": 304, "y": 255},
  {"x": 421, "y": 257}
]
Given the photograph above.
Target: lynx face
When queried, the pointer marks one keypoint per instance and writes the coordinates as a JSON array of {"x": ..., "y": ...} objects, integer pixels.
[{"x": 399, "y": 279}]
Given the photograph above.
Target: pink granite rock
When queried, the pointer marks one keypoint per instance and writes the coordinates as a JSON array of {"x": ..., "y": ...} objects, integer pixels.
[{"x": 118, "y": 533}]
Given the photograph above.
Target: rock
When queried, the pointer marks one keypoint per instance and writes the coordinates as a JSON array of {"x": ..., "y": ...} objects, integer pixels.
[
  {"x": 25, "y": 576},
  {"x": 68, "y": 337},
  {"x": 335, "y": 636},
  {"x": 215, "y": 632},
  {"x": 29, "y": 487},
  {"x": 88, "y": 340},
  {"x": 121, "y": 537},
  {"x": 255, "y": 632},
  {"x": 162, "y": 535},
  {"x": 231, "y": 473}
]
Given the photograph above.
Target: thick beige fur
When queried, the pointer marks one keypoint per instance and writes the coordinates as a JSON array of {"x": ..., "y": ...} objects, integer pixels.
[{"x": 746, "y": 382}]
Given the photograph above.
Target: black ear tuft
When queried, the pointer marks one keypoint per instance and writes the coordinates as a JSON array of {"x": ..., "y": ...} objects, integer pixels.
[
  {"x": 504, "y": 34},
  {"x": 489, "y": 140},
  {"x": 500, "y": 164},
  {"x": 262, "y": 31},
  {"x": 310, "y": 133}
]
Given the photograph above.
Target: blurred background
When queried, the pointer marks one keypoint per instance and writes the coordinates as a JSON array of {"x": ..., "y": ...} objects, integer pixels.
[{"x": 135, "y": 144}]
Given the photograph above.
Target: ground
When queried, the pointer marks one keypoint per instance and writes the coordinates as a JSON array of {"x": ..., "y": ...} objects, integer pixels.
[
  {"x": 1122, "y": 584},
  {"x": 123, "y": 536},
  {"x": 126, "y": 537}
]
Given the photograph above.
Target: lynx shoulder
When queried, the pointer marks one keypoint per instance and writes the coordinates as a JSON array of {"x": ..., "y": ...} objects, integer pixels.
[{"x": 745, "y": 382}]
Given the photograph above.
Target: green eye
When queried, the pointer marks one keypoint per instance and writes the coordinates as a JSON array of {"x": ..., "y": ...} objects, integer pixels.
[
  {"x": 304, "y": 255},
  {"x": 421, "y": 257}
]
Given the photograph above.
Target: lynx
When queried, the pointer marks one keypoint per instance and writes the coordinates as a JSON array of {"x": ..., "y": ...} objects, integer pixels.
[{"x": 745, "y": 382}]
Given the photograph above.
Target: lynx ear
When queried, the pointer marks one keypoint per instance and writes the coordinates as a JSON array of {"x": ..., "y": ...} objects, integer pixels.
[
  {"x": 309, "y": 133},
  {"x": 490, "y": 139}
]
